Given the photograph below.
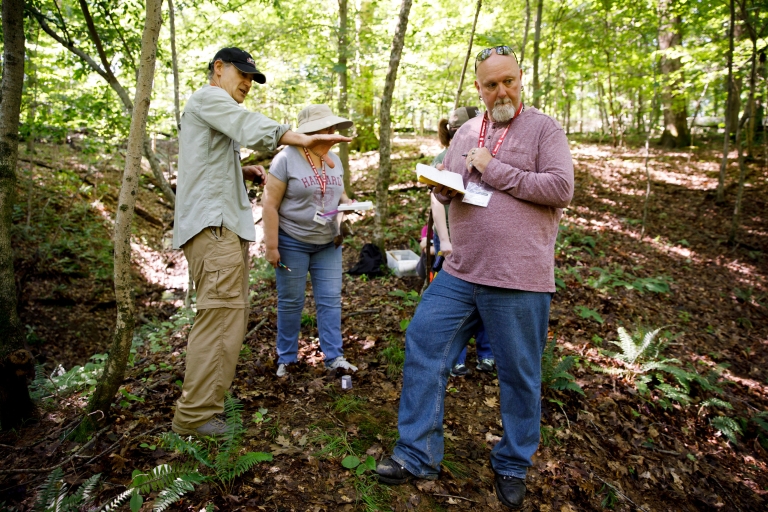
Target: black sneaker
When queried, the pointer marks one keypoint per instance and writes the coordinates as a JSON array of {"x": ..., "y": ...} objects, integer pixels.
[
  {"x": 510, "y": 490},
  {"x": 485, "y": 365},
  {"x": 459, "y": 370},
  {"x": 392, "y": 473}
]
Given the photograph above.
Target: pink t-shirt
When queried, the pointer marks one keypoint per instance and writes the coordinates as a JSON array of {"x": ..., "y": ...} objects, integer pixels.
[{"x": 511, "y": 243}]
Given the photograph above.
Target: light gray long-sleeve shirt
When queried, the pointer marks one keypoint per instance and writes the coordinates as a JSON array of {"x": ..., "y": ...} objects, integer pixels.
[
  {"x": 511, "y": 243},
  {"x": 210, "y": 189}
]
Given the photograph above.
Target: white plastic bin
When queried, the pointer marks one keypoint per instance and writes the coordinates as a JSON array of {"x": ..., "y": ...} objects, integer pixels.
[{"x": 403, "y": 263}]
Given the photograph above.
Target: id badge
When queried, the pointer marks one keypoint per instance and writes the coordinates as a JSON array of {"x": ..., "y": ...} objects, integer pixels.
[
  {"x": 320, "y": 219},
  {"x": 478, "y": 194}
]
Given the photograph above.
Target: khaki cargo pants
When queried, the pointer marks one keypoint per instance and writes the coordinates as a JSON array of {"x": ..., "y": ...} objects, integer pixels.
[{"x": 218, "y": 261}]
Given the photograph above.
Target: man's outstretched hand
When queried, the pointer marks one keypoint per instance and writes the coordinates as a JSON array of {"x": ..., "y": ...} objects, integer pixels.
[
  {"x": 254, "y": 173},
  {"x": 321, "y": 144}
]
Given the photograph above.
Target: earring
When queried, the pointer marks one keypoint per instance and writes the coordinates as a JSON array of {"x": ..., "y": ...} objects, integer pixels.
[{"x": 522, "y": 88}]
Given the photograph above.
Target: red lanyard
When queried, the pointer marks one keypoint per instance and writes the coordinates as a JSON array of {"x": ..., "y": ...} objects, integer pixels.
[
  {"x": 324, "y": 180},
  {"x": 484, "y": 127}
]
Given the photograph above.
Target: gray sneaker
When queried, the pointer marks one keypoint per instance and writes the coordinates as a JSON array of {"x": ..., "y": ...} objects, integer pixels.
[
  {"x": 459, "y": 370},
  {"x": 282, "y": 369},
  {"x": 212, "y": 428},
  {"x": 485, "y": 365},
  {"x": 340, "y": 362}
]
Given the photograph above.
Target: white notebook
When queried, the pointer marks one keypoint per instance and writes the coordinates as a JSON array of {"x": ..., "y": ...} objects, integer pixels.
[
  {"x": 432, "y": 176},
  {"x": 359, "y": 205}
]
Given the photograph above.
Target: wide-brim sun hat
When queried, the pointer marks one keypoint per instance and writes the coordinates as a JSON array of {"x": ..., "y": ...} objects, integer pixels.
[{"x": 319, "y": 117}]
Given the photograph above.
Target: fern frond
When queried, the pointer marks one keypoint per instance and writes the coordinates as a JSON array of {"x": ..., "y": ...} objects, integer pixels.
[
  {"x": 244, "y": 463},
  {"x": 230, "y": 441},
  {"x": 173, "y": 492},
  {"x": 760, "y": 422},
  {"x": 117, "y": 501},
  {"x": 49, "y": 490},
  {"x": 174, "y": 441},
  {"x": 161, "y": 477},
  {"x": 565, "y": 364},
  {"x": 727, "y": 426},
  {"x": 674, "y": 393},
  {"x": 716, "y": 402},
  {"x": 568, "y": 386},
  {"x": 83, "y": 496}
]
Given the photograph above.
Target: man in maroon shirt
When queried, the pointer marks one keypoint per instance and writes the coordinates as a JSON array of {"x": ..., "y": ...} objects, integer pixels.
[{"x": 518, "y": 173}]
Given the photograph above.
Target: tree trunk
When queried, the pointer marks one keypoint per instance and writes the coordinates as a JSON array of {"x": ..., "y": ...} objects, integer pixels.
[
  {"x": 611, "y": 103},
  {"x": 675, "y": 132},
  {"x": 114, "y": 369},
  {"x": 469, "y": 53},
  {"x": 106, "y": 74},
  {"x": 385, "y": 150},
  {"x": 536, "y": 41},
  {"x": 343, "y": 92},
  {"x": 525, "y": 31},
  {"x": 748, "y": 111},
  {"x": 720, "y": 196},
  {"x": 15, "y": 362},
  {"x": 174, "y": 65},
  {"x": 742, "y": 175}
]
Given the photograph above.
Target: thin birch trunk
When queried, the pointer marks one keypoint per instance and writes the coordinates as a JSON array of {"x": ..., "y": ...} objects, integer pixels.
[
  {"x": 114, "y": 369},
  {"x": 536, "y": 42},
  {"x": 469, "y": 53},
  {"x": 525, "y": 32},
  {"x": 15, "y": 361},
  {"x": 720, "y": 197},
  {"x": 343, "y": 92},
  {"x": 174, "y": 65},
  {"x": 385, "y": 150}
]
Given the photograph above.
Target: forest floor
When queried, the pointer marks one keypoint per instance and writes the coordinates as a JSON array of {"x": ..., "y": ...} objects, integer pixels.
[{"x": 689, "y": 432}]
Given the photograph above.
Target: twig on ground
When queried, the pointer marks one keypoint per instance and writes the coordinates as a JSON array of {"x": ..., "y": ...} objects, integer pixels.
[
  {"x": 621, "y": 494},
  {"x": 726, "y": 493},
  {"x": 60, "y": 464},
  {"x": 457, "y": 497},
  {"x": 361, "y": 312},
  {"x": 256, "y": 327}
]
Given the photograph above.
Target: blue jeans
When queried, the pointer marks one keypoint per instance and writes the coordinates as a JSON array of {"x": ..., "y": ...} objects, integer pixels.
[
  {"x": 323, "y": 263},
  {"x": 482, "y": 345},
  {"x": 447, "y": 316}
]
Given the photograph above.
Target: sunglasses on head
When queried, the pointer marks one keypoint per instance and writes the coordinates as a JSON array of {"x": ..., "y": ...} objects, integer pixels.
[{"x": 500, "y": 50}]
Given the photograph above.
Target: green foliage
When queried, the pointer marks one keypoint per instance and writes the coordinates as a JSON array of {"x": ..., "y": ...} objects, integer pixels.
[
  {"x": 727, "y": 426},
  {"x": 410, "y": 298},
  {"x": 554, "y": 371},
  {"x": 223, "y": 461},
  {"x": 308, "y": 320},
  {"x": 62, "y": 383},
  {"x": 157, "y": 334},
  {"x": 353, "y": 462},
  {"x": 261, "y": 270},
  {"x": 394, "y": 356},
  {"x": 588, "y": 313},
  {"x": 170, "y": 482},
  {"x": 52, "y": 495},
  {"x": 348, "y": 403}
]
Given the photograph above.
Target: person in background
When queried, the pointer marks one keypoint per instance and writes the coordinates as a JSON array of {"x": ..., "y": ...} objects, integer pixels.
[
  {"x": 518, "y": 173},
  {"x": 213, "y": 224},
  {"x": 442, "y": 242},
  {"x": 302, "y": 235}
]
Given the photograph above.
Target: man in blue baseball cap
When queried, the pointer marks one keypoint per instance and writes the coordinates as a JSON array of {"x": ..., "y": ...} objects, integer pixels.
[{"x": 213, "y": 224}]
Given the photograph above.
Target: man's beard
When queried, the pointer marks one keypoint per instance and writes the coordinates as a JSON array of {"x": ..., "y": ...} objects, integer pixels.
[{"x": 503, "y": 110}]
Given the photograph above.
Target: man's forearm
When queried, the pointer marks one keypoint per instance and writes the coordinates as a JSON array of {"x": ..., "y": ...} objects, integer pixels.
[{"x": 291, "y": 138}]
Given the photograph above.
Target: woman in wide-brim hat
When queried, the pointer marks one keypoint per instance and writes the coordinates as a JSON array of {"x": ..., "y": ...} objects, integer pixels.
[{"x": 303, "y": 236}]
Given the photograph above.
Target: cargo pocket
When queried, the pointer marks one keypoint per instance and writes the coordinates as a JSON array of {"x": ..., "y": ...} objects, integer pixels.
[{"x": 224, "y": 276}]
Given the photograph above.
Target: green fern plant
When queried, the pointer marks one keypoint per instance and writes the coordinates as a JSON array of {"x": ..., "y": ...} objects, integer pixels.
[
  {"x": 171, "y": 481},
  {"x": 554, "y": 372},
  {"x": 727, "y": 426},
  {"x": 224, "y": 462},
  {"x": 52, "y": 494}
]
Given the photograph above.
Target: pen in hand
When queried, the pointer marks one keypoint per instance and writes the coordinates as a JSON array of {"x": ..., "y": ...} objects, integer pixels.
[{"x": 282, "y": 265}]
